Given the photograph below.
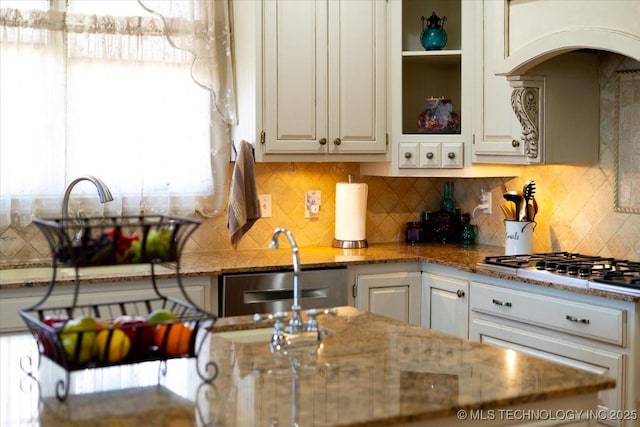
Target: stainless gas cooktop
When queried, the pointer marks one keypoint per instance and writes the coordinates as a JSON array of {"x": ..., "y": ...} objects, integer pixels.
[{"x": 572, "y": 269}]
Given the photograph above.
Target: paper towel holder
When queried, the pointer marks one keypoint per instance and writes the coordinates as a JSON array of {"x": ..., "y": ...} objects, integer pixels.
[{"x": 349, "y": 244}]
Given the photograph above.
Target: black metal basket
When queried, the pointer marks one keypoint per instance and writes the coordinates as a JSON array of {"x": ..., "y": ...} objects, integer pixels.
[
  {"x": 101, "y": 342},
  {"x": 98, "y": 241}
]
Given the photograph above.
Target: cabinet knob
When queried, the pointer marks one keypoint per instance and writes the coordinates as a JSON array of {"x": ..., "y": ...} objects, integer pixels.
[
  {"x": 323, "y": 141},
  {"x": 429, "y": 155},
  {"x": 407, "y": 155},
  {"x": 460, "y": 293},
  {"x": 337, "y": 141},
  {"x": 451, "y": 155},
  {"x": 515, "y": 143}
]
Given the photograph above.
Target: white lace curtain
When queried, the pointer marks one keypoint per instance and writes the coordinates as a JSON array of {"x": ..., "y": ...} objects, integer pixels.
[{"x": 137, "y": 93}]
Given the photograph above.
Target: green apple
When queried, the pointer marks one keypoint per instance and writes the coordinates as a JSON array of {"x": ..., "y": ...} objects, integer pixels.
[
  {"x": 134, "y": 253},
  {"x": 159, "y": 244},
  {"x": 78, "y": 336},
  {"x": 161, "y": 315}
]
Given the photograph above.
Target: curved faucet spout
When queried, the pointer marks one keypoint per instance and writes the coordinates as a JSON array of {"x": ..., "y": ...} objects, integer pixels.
[
  {"x": 296, "y": 324},
  {"x": 104, "y": 194}
]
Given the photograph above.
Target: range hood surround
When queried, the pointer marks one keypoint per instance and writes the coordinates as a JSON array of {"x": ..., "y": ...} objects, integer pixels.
[
  {"x": 558, "y": 100},
  {"x": 537, "y": 33}
]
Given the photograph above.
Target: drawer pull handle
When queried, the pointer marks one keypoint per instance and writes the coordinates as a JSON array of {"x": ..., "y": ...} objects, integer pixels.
[
  {"x": 502, "y": 303},
  {"x": 578, "y": 319},
  {"x": 460, "y": 293}
]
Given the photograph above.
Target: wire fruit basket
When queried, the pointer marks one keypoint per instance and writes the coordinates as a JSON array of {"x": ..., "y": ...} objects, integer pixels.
[{"x": 86, "y": 336}]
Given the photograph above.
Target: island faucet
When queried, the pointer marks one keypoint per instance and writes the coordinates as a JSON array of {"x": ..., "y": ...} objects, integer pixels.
[
  {"x": 295, "y": 324},
  {"x": 104, "y": 194}
]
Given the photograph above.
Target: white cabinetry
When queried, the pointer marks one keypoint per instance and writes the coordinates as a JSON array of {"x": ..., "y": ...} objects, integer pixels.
[
  {"x": 415, "y": 75},
  {"x": 445, "y": 304},
  {"x": 392, "y": 291},
  {"x": 557, "y": 101},
  {"x": 13, "y": 300},
  {"x": 586, "y": 332},
  {"x": 312, "y": 79}
]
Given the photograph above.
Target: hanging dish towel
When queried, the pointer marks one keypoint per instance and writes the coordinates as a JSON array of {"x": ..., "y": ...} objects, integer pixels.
[{"x": 244, "y": 206}]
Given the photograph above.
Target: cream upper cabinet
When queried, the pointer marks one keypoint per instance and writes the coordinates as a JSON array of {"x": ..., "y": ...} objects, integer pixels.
[
  {"x": 321, "y": 91},
  {"x": 497, "y": 129},
  {"x": 548, "y": 111},
  {"x": 417, "y": 75}
]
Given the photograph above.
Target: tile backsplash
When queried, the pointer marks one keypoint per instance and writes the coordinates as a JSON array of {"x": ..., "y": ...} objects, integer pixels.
[{"x": 576, "y": 202}]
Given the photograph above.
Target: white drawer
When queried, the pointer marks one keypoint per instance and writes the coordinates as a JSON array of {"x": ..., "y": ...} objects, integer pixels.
[{"x": 591, "y": 321}]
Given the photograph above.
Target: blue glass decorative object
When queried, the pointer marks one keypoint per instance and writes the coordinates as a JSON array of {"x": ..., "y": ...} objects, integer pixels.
[{"x": 433, "y": 37}]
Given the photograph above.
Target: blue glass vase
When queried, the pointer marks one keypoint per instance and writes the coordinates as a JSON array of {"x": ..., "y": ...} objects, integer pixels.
[{"x": 433, "y": 37}]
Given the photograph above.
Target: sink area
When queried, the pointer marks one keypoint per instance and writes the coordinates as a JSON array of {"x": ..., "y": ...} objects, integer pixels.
[
  {"x": 263, "y": 335},
  {"x": 247, "y": 336},
  {"x": 45, "y": 273}
]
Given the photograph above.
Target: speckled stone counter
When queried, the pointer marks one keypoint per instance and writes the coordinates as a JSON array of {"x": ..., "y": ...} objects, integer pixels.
[
  {"x": 369, "y": 371},
  {"x": 465, "y": 258}
]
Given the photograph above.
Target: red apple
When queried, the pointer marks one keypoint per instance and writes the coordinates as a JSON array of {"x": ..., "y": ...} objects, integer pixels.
[
  {"x": 47, "y": 338},
  {"x": 55, "y": 321},
  {"x": 139, "y": 331}
]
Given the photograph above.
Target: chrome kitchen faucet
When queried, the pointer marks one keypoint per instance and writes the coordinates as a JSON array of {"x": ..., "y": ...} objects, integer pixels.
[
  {"x": 295, "y": 324},
  {"x": 298, "y": 332},
  {"x": 104, "y": 194}
]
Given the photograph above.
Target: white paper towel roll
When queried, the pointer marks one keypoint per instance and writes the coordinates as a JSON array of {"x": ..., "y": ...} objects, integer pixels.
[{"x": 351, "y": 211}]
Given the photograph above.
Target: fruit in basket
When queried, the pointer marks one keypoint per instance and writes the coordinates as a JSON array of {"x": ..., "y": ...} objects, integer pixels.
[
  {"x": 173, "y": 338},
  {"x": 46, "y": 337},
  {"x": 138, "y": 330},
  {"x": 111, "y": 247},
  {"x": 161, "y": 315},
  {"x": 55, "y": 321},
  {"x": 78, "y": 336},
  {"x": 159, "y": 244},
  {"x": 111, "y": 345}
]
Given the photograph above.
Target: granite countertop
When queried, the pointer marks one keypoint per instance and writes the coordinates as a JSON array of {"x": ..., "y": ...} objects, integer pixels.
[
  {"x": 464, "y": 258},
  {"x": 369, "y": 371}
]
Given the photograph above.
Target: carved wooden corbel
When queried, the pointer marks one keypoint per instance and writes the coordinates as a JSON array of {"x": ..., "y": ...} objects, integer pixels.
[{"x": 527, "y": 103}]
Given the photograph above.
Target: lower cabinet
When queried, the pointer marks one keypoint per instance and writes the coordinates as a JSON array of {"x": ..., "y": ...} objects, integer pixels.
[
  {"x": 586, "y": 332},
  {"x": 391, "y": 291},
  {"x": 12, "y": 300},
  {"x": 445, "y": 304}
]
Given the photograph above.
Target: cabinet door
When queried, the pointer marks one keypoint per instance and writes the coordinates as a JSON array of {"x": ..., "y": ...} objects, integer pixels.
[
  {"x": 357, "y": 70},
  {"x": 564, "y": 352},
  {"x": 446, "y": 304},
  {"x": 497, "y": 127},
  {"x": 324, "y": 77},
  {"x": 295, "y": 76},
  {"x": 395, "y": 295}
]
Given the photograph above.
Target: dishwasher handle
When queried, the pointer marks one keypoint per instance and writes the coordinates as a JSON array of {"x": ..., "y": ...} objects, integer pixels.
[{"x": 270, "y": 295}]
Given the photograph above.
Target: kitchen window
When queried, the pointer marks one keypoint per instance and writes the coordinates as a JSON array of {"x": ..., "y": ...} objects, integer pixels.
[{"x": 137, "y": 93}]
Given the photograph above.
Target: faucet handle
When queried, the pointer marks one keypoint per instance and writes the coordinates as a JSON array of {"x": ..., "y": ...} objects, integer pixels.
[
  {"x": 313, "y": 313},
  {"x": 278, "y": 326}
]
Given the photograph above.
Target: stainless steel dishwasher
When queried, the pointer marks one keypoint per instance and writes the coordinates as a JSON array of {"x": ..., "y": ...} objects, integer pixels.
[{"x": 272, "y": 291}]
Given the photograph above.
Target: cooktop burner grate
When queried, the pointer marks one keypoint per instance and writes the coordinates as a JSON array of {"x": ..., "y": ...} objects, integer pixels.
[{"x": 567, "y": 265}]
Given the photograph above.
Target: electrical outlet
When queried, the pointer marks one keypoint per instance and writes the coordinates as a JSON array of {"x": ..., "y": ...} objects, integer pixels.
[
  {"x": 485, "y": 201},
  {"x": 265, "y": 205}
]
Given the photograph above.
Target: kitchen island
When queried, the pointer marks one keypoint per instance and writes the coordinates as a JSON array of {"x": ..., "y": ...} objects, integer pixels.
[{"x": 368, "y": 371}]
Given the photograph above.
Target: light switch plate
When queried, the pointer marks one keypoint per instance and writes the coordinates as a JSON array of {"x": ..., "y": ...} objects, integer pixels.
[
  {"x": 265, "y": 205},
  {"x": 312, "y": 201}
]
